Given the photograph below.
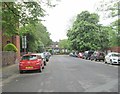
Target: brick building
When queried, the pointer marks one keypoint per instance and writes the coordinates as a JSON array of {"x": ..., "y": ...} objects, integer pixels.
[
  {"x": 15, "y": 40},
  {"x": 114, "y": 49}
]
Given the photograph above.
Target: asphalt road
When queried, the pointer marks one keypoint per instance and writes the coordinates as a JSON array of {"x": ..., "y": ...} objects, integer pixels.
[{"x": 67, "y": 74}]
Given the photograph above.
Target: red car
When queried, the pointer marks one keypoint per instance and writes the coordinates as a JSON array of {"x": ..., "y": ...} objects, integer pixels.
[
  {"x": 31, "y": 62},
  {"x": 80, "y": 55}
]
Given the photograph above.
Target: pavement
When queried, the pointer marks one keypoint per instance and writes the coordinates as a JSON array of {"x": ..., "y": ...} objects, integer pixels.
[{"x": 8, "y": 72}]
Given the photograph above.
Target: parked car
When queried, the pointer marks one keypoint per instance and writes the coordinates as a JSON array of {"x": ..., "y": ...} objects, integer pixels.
[
  {"x": 47, "y": 55},
  {"x": 87, "y": 54},
  {"x": 98, "y": 55},
  {"x": 43, "y": 57},
  {"x": 112, "y": 58},
  {"x": 80, "y": 55},
  {"x": 31, "y": 62},
  {"x": 73, "y": 54}
]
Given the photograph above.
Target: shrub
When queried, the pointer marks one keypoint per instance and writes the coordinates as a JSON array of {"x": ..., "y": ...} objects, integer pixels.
[{"x": 10, "y": 47}]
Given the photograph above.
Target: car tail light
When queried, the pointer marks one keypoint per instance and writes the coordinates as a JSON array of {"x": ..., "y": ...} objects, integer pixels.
[
  {"x": 20, "y": 63},
  {"x": 37, "y": 63}
]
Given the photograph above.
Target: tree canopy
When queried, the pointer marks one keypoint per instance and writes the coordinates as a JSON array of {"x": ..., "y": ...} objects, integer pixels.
[
  {"x": 37, "y": 36},
  {"x": 111, "y": 9},
  {"x": 86, "y": 33},
  {"x": 64, "y": 44},
  {"x": 21, "y": 14}
]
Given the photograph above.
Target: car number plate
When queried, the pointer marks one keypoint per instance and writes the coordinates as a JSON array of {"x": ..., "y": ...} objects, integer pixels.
[{"x": 29, "y": 67}]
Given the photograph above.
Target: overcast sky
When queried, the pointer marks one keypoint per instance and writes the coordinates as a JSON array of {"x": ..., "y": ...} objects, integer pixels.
[{"x": 61, "y": 16}]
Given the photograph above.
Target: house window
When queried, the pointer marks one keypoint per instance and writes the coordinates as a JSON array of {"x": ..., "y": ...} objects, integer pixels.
[{"x": 8, "y": 42}]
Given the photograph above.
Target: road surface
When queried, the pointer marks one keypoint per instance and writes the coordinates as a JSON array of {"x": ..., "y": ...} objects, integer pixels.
[{"x": 67, "y": 74}]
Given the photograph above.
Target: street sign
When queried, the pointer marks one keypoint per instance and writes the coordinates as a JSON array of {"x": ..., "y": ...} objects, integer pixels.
[{"x": 24, "y": 42}]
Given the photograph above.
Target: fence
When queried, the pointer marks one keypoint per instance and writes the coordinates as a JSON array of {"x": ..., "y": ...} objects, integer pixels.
[{"x": 8, "y": 58}]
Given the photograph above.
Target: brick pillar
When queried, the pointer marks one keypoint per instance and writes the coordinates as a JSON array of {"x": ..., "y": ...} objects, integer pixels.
[
  {"x": 17, "y": 43},
  {"x": 0, "y": 40},
  {"x": 0, "y": 51}
]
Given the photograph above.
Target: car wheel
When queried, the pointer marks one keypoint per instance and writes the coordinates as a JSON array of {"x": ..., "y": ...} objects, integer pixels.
[
  {"x": 40, "y": 70},
  {"x": 95, "y": 59},
  {"x": 111, "y": 62},
  {"x": 21, "y": 71},
  {"x": 105, "y": 61},
  {"x": 47, "y": 60},
  {"x": 43, "y": 67},
  {"x": 44, "y": 63}
]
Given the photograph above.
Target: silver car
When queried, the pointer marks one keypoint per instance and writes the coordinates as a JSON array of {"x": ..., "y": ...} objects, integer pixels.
[
  {"x": 112, "y": 58},
  {"x": 43, "y": 57}
]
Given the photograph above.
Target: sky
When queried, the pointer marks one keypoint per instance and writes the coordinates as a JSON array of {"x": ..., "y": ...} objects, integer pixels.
[{"x": 61, "y": 17}]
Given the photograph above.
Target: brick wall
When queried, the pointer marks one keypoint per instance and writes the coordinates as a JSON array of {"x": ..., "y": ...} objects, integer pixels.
[
  {"x": 8, "y": 58},
  {"x": 114, "y": 49},
  {"x": 0, "y": 48},
  {"x": 15, "y": 40}
]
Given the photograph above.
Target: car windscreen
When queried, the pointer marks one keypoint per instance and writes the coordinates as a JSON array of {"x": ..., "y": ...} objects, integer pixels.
[
  {"x": 116, "y": 55},
  {"x": 30, "y": 57}
]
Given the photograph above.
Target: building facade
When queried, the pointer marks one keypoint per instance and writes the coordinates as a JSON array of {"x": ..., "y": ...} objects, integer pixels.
[{"x": 15, "y": 40}]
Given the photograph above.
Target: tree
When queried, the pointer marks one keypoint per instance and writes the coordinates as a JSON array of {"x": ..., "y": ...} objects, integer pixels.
[
  {"x": 22, "y": 20},
  {"x": 86, "y": 33},
  {"x": 37, "y": 37},
  {"x": 108, "y": 8},
  {"x": 21, "y": 14},
  {"x": 9, "y": 22},
  {"x": 64, "y": 43},
  {"x": 111, "y": 9}
]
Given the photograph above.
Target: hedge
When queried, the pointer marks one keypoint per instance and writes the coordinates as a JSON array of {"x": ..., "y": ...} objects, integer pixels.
[{"x": 10, "y": 47}]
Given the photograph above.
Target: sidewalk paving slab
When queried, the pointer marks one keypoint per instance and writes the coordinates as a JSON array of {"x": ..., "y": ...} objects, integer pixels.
[{"x": 9, "y": 71}]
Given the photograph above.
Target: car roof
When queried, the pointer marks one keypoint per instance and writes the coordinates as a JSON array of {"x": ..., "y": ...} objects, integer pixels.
[
  {"x": 31, "y": 54},
  {"x": 37, "y": 53},
  {"x": 40, "y": 54},
  {"x": 27, "y": 54}
]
